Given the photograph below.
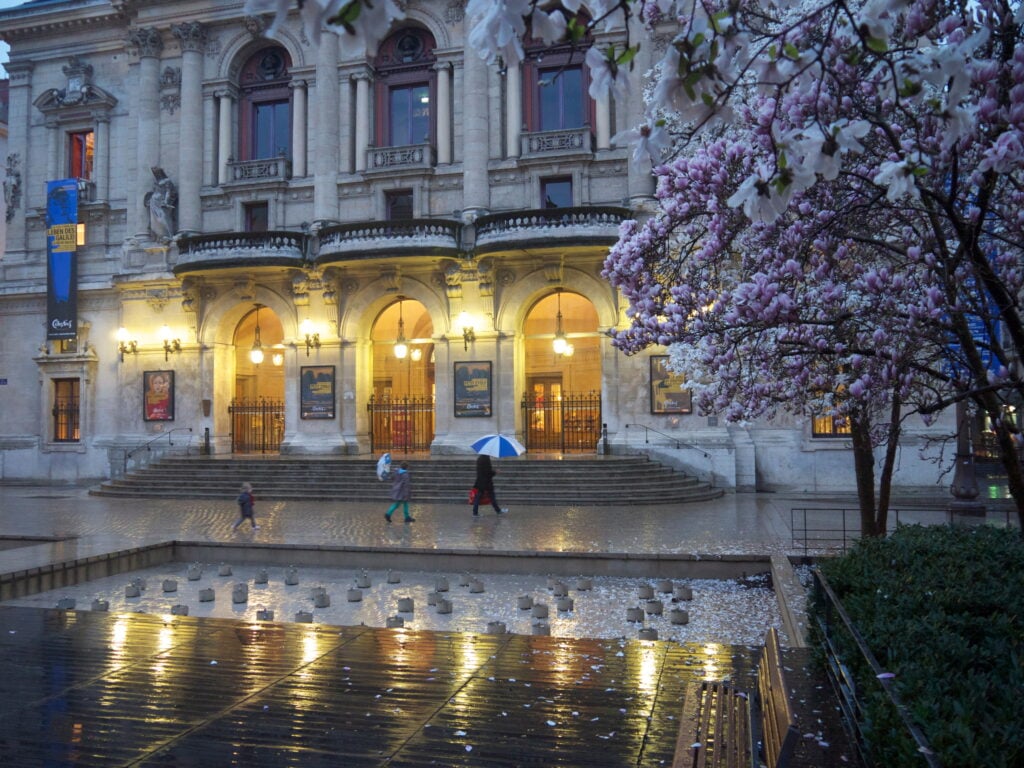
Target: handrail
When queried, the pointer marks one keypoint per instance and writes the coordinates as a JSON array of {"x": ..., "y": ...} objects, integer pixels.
[
  {"x": 168, "y": 434},
  {"x": 679, "y": 443},
  {"x": 846, "y": 691}
]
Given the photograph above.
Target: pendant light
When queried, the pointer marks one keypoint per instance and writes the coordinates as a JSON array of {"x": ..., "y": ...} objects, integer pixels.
[
  {"x": 401, "y": 347},
  {"x": 559, "y": 343},
  {"x": 256, "y": 353}
]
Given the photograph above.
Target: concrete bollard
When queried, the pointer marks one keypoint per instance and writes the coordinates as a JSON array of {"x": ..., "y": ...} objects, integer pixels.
[
  {"x": 240, "y": 593},
  {"x": 496, "y": 628},
  {"x": 394, "y": 577},
  {"x": 583, "y": 584},
  {"x": 648, "y": 633},
  {"x": 476, "y": 586},
  {"x": 170, "y": 585},
  {"x": 66, "y": 604},
  {"x": 464, "y": 580},
  {"x": 405, "y": 605},
  {"x": 179, "y": 610},
  {"x": 654, "y": 607},
  {"x": 560, "y": 589},
  {"x": 195, "y": 572},
  {"x": 539, "y": 611},
  {"x": 395, "y": 622},
  {"x": 432, "y": 598},
  {"x": 441, "y": 585},
  {"x": 100, "y": 605},
  {"x": 645, "y": 592},
  {"x": 665, "y": 586},
  {"x": 679, "y": 616},
  {"x": 265, "y": 614},
  {"x": 304, "y": 617},
  {"x": 354, "y": 595},
  {"x": 363, "y": 580},
  {"x": 224, "y": 570},
  {"x": 131, "y": 590},
  {"x": 291, "y": 576},
  {"x": 564, "y": 604},
  {"x": 262, "y": 577},
  {"x": 317, "y": 591},
  {"x": 635, "y": 614},
  {"x": 206, "y": 595},
  {"x": 444, "y": 605},
  {"x": 682, "y": 593},
  {"x": 540, "y": 628},
  {"x": 322, "y": 600},
  {"x": 525, "y": 602},
  {"x": 139, "y": 582}
]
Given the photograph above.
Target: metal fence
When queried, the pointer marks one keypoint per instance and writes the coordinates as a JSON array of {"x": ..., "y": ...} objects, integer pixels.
[
  {"x": 570, "y": 424},
  {"x": 257, "y": 426},
  {"x": 404, "y": 425}
]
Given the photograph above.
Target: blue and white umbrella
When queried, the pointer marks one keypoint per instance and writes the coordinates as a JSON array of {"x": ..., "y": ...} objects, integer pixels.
[
  {"x": 384, "y": 466},
  {"x": 498, "y": 446}
]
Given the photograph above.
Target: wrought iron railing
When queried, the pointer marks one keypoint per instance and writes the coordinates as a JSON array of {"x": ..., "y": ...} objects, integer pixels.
[
  {"x": 402, "y": 425},
  {"x": 569, "y": 424},
  {"x": 257, "y": 426}
]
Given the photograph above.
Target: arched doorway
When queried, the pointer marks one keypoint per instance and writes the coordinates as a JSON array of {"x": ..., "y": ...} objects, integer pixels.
[
  {"x": 562, "y": 393},
  {"x": 401, "y": 406},
  {"x": 257, "y": 408}
]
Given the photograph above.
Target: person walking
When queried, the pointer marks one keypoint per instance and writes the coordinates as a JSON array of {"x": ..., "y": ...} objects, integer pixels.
[
  {"x": 401, "y": 490},
  {"x": 484, "y": 485},
  {"x": 246, "y": 505}
]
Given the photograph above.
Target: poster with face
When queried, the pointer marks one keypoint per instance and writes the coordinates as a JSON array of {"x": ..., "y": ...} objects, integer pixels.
[{"x": 158, "y": 395}]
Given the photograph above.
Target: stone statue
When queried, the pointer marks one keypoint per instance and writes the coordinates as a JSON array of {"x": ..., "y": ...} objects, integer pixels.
[
  {"x": 12, "y": 185},
  {"x": 162, "y": 202}
]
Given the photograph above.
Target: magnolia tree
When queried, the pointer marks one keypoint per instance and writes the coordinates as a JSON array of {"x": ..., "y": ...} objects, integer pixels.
[{"x": 841, "y": 198}]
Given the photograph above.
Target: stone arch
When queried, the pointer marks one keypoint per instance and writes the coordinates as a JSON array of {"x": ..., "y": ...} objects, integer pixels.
[
  {"x": 228, "y": 309},
  {"x": 241, "y": 46},
  {"x": 518, "y": 298},
  {"x": 360, "y": 313}
]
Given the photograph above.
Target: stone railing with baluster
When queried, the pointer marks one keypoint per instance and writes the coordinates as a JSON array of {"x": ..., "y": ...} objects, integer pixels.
[
  {"x": 408, "y": 157},
  {"x": 267, "y": 169},
  {"x": 237, "y": 248},
  {"x": 568, "y": 141},
  {"x": 585, "y": 225},
  {"x": 371, "y": 238}
]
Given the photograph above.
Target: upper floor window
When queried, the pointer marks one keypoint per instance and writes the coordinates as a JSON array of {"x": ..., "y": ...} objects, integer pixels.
[
  {"x": 265, "y": 115},
  {"x": 556, "y": 192},
  {"x": 398, "y": 204},
  {"x": 257, "y": 217},
  {"x": 406, "y": 85},
  {"x": 80, "y": 154},
  {"x": 555, "y": 83}
]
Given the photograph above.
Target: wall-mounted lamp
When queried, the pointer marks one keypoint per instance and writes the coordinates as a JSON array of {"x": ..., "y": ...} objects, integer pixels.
[
  {"x": 416, "y": 355},
  {"x": 468, "y": 334},
  {"x": 277, "y": 355},
  {"x": 401, "y": 346},
  {"x": 312, "y": 338},
  {"x": 124, "y": 344},
  {"x": 170, "y": 345},
  {"x": 256, "y": 353},
  {"x": 559, "y": 344}
]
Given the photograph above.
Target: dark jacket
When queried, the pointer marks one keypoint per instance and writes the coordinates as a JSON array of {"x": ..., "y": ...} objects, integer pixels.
[
  {"x": 245, "y": 503},
  {"x": 485, "y": 477},
  {"x": 401, "y": 485}
]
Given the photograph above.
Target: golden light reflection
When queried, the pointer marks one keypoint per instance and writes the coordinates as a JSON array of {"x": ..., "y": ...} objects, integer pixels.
[
  {"x": 310, "y": 647},
  {"x": 647, "y": 672},
  {"x": 713, "y": 658},
  {"x": 118, "y": 635}
]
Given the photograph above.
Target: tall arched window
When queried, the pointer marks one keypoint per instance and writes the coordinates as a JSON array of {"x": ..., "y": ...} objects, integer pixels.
[
  {"x": 406, "y": 89},
  {"x": 265, "y": 116},
  {"x": 555, "y": 84}
]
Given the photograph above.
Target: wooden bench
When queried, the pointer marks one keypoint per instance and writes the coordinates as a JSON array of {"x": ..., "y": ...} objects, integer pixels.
[{"x": 718, "y": 729}]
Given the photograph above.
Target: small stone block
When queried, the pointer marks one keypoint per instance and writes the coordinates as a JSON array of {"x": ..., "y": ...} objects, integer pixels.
[
  {"x": 525, "y": 602},
  {"x": 560, "y": 589},
  {"x": 224, "y": 570},
  {"x": 645, "y": 592},
  {"x": 195, "y": 572},
  {"x": 540, "y": 628},
  {"x": 394, "y": 577},
  {"x": 267, "y": 614},
  {"x": 464, "y": 580},
  {"x": 262, "y": 577},
  {"x": 441, "y": 585},
  {"x": 100, "y": 605},
  {"x": 432, "y": 598},
  {"x": 179, "y": 610},
  {"x": 444, "y": 605},
  {"x": 355, "y": 595},
  {"x": 539, "y": 610},
  {"x": 635, "y": 614},
  {"x": 170, "y": 585},
  {"x": 66, "y": 604},
  {"x": 317, "y": 591},
  {"x": 648, "y": 633},
  {"x": 476, "y": 586},
  {"x": 304, "y": 617},
  {"x": 240, "y": 593},
  {"x": 679, "y": 616},
  {"x": 682, "y": 593},
  {"x": 206, "y": 595},
  {"x": 665, "y": 586},
  {"x": 584, "y": 584},
  {"x": 131, "y": 590},
  {"x": 291, "y": 577},
  {"x": 395, "y": 622},
  {"x": 496, "y": 628},
  {"x": 565, "y": 604},
  {"x": 405, "y": 605},
  {"x": 654, "y": 607},
  {"x": 322, "y": 600},
  {"x": 363, "y": 582}
]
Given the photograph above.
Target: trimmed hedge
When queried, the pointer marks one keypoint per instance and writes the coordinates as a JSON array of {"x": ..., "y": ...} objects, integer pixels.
[{"x": 943, "y": 609}]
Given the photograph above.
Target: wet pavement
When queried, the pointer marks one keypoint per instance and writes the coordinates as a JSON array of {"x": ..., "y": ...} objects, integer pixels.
[{"x": 91, "y": 688}]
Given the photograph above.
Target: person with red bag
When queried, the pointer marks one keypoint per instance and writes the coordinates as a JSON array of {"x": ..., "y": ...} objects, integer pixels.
[{"x": 484, "y": 485}]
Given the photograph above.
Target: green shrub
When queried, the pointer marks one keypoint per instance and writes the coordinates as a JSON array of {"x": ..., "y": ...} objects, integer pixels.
[{"x": 942, "y": 608}]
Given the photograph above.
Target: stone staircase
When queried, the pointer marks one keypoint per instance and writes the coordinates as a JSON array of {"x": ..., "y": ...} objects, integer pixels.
[{"x": 532, "y": 480}]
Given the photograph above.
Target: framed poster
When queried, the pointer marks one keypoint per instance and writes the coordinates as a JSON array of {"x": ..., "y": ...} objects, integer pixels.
[
  {"x": 158, "y": 395},
  {"x": 473, "y": 389},
  {"x": 667, "y": 393},
  {"x": 316, "y": 398}
]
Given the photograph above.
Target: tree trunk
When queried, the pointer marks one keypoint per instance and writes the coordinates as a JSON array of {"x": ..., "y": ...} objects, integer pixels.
[
  {"x": 1014, "y": 471},
  {"x": 864, "y": 469}
]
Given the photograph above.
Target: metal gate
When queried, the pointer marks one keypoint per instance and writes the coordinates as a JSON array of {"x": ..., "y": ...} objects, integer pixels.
[
  {"x": 569, "y": 424},
  {"x": 257, "y": 426},
  {"x": 405, "y": 425}
]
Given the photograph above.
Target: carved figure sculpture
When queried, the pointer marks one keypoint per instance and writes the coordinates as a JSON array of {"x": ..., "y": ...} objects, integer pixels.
[{"x": 162, "y": 202}]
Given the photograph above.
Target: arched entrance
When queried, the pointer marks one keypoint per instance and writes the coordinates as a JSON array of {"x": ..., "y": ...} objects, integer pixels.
[
  {"x": 562, "y": 393},
  {"x": 257, "y": 408},
  {"x": 401, "y": 406}
]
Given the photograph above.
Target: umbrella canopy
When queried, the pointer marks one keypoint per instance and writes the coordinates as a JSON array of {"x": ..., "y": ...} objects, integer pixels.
[
  {"x": 384, "y": 466},
  {"x": 498, "y": 446}
]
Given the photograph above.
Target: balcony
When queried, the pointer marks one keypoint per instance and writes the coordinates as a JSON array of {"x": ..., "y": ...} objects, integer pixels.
[
  {"x": 590, "y": 225},
  {"x": 274, "y": 169},
  {"x": 241, "y": 250},
  {"x": 566, "y": 142},
  {"x": 411, "y": 157},
  {"x": 373, "y": 239}
]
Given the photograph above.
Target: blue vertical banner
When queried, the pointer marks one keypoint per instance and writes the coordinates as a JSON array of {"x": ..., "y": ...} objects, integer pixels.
[{"x": 61, "y": 264}]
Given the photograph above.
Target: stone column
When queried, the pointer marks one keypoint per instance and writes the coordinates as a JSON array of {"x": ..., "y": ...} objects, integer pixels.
[
  {"x": 298, "y": 128},
  {"x": 603, "y": 127},
  {"x": 475, "y": 190},
  {"x": 53, "y": 151},
  {"x": 210, "y": 169},
  {"x": 325, "y": 179},
  {"x": 444, "y": 112},
  {"x": 22, "y": 158},
  {"x": 192, "y": 36},
  {"x": 101, "y": 157},
  {"x": 362, "y": 120},
  {"x": 149, "y": 45},
  {"x": 226, "y": 104},
  {"x": 513, "y": 110},
  {"x": 640, "y": 181}
]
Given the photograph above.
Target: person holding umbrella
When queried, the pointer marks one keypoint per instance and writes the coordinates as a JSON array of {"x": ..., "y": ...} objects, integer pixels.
[
  {"x": 484, "y": 485},
  {"x": 401, "y": 490}
]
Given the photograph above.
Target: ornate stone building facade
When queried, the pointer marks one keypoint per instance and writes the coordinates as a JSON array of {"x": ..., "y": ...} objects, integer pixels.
[{"x": 292, "y": 248}]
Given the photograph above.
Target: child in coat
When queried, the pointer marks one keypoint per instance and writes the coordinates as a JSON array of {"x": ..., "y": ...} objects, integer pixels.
[{"x": 401, "y": 490}]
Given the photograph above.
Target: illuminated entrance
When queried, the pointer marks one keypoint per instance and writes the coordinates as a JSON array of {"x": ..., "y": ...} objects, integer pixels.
[
  {"x": 401, "y": 407},
  {"x": 562, "y": 397},
  {"x": 257, "y": 409}
]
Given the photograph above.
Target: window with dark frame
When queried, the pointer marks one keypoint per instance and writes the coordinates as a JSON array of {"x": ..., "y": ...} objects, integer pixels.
[
  {"x": 830, "y": 426},
  {"x": 556, "y": 192},
  {"x": 398, "y": 204},
  {"x": 81, "y": 145},
  {"x": 257, "y": 217},
  {"x": 66, "y": 415},
  {"x": 405, "y": 83},
  {"x": 560, "y": 98},
  {"x": 265, "y": 107},
  {"x": 555, "y": 84}
]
